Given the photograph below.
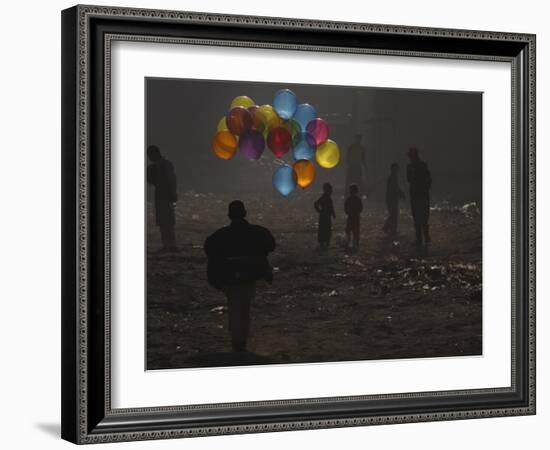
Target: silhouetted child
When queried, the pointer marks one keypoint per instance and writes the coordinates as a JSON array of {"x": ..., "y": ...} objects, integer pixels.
[
  {"x": 393, "y": 195},
  {"x": 326, "y": 213},
  {"x": 353, "y": 208}
]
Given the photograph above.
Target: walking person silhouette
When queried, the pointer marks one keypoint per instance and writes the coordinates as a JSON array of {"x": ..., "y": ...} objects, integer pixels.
[
  {"x": 420, "y": 183},
  {"x": 356, "y": 167},
  {"x": 161, "y": 174},
  {"x": 237, "y": 259},
  {"x": 353, "y": 207}
]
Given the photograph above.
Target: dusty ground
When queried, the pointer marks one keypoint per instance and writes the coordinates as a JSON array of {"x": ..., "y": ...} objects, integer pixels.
[{"x": 388, "y": 301}]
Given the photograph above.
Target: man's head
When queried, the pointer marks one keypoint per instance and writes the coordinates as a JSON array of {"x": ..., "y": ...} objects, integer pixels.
[
  {"x": 236, "y": 210},
  {"x": 153, "y": 153},
  {"x": 353, "y": 189},
  {"x": 413, "y": 153},
  {"x": 394, "y": 168},
  {"x": 327, "y": 188}
]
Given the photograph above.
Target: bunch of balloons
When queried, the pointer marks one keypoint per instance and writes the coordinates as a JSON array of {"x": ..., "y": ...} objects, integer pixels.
[{"x": 287, "y": 126}]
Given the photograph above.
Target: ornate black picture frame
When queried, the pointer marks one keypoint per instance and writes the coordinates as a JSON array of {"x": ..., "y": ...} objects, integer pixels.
[{"x": 87, "y": 34}]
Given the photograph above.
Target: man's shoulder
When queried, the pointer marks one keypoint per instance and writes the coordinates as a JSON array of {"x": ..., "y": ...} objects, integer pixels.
[
  {"x": 259, "y": 229},
  {"x": 417, "y": 165},
  {"x": 219, "y": 233},
  {"x": 229, "y": 230},
  {"x": 165, "y": 163}
]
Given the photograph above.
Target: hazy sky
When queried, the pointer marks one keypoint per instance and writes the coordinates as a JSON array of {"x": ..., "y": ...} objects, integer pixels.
[{"x": 182, "y": 115}]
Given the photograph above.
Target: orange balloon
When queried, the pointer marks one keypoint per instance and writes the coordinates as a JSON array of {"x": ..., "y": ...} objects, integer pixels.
[
  {"x": 305, "y": 172},
  {"x": 225, "y": 144}
]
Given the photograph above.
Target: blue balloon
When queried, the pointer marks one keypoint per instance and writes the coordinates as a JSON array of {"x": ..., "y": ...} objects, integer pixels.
[
  {"x": 284, "y": 180},
  {"x": 304, "y": 114},
  {"x": 304, "y": 146},
  {"x": 285, "y": 103}
]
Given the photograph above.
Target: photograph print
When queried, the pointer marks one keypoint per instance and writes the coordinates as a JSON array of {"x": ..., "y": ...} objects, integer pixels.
[{"x": 301, "y": 223}]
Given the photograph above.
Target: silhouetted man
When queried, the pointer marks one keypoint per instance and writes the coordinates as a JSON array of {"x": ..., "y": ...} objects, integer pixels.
[
  {"x": 353, "y": 206},
  {"x": 420, "y": 183},
  {"x": 160, "y": 173},
  {"x": 237, "y": 259},
  {"x": 355, "y": 165},
  {"x": 393, "y": 195}
]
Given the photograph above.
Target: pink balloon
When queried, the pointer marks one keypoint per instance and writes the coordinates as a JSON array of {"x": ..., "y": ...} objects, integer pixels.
[{"x": 318, "y": 128}]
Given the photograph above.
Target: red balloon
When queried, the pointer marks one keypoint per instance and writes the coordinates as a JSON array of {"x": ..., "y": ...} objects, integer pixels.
[
  {"x": 238, "y": 120},
  {"x": 279, "y": 141}
]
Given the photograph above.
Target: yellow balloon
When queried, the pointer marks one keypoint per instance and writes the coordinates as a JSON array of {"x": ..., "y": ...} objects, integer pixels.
[
  {"x": 242, "y": 100},
  {"x": 258, "y": 119},
  {"x": 267, "y": 108},
  {"x": 271, "y": 118},
  {"x": 225, "y": 144},
  {"x": 328, "y": 154},
  {"x": 222, "y": 125}
]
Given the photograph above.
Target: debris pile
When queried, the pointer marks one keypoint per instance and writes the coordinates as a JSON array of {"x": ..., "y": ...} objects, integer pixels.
[
  {"x": 420, "y": 275},
  {"x": 469, "y": 209}
]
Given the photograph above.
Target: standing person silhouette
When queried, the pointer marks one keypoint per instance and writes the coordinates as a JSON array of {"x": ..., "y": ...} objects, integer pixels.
[
  {"x": 237, "y": 259},
  {"x": 353, "y": 207},
  {"x": 323, "y": 205},
  {"x": 420, "y": 183},
  {"x": 160, "y": 174},
  {"x": 356, "y": 167},
  {"x": 393, "y": 195}
]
